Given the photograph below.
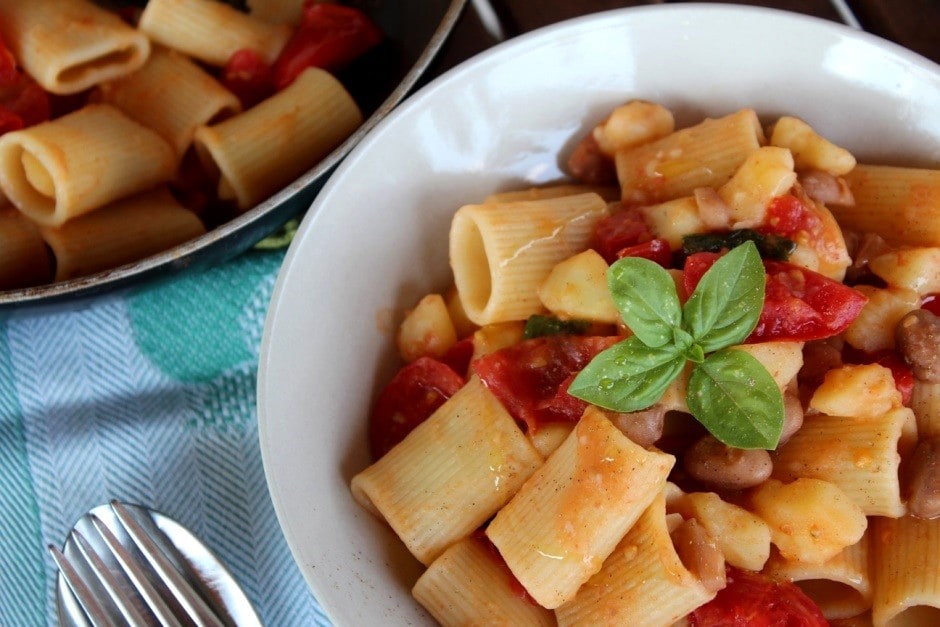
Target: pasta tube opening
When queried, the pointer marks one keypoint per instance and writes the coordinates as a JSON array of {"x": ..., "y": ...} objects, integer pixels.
[
  {"x": 475, "y": 287},
  {"x": 69, "y": 46},
  {"x": 58, "y": 170},
  {"x": 30, "y": 179},
  {"x": 77, "y": 74}
]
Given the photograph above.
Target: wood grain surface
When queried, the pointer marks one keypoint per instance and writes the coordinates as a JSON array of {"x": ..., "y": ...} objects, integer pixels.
[{"x": 914, "y": 24}]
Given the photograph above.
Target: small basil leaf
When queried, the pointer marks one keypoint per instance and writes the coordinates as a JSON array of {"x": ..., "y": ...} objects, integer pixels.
[
  {"x": 769, "y": 245},
  {"x": 726, "y": 304},
  {"x": 628, "y": 376},
  {"x": 646, "y": 297},
  {"x": 695, "y": 353},
  {"x": 682, "y": 340},
  {"x": 736, "y": 399}
]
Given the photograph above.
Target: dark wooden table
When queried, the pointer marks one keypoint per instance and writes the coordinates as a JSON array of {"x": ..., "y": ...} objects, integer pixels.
[{"x": 915, "y": 24}]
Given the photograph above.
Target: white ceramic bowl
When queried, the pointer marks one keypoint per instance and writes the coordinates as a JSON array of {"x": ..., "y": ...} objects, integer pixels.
[{"x": 376, "y": 239}]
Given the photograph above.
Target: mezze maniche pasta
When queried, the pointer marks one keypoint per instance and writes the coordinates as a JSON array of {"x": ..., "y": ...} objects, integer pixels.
[
  {"x": 123, "y": 135},
  {"x": 532, "y": 506}
]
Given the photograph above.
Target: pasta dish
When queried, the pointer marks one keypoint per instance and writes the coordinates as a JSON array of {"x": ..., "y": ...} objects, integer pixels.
[{"x": 698, "y": 383}]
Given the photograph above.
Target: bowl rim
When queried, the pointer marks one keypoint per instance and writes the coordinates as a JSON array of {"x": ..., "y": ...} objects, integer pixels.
[
  {"x": 519, "y": 43},
  {"x": 192, "y": 252}
]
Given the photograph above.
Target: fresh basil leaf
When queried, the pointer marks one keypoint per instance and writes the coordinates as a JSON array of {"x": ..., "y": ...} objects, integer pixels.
[
  {"x": 646, "y": 297},
  {"x": 726, "y": 304},
  {"x": 539, "y": 326},
  {"x": 736, "y": 399},
  {"x": 628, "y": 376}
]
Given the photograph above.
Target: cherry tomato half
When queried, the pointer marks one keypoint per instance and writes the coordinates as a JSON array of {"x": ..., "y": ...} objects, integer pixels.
[
  {"x": 531, "y": 378},
  {"x": 329, "y": 36},
  {"x": 408, "y": 400},
  {"x": 799, "y": 304},
  {"x": 754, "y": 600}
]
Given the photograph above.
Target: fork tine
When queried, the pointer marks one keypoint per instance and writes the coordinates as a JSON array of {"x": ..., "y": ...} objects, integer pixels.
[
  {"x": 95, "y": 612},
  {"x": 137, "y": 576},
  {"x": 193, "y": 604}
]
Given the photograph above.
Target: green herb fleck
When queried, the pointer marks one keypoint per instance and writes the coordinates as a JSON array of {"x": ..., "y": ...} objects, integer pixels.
[
  {"x": 280, "y": 238},
  {"x": 769, "y": 245},
  {"x": 538, "y": 326},
  {"x": 729, "y": 391}
]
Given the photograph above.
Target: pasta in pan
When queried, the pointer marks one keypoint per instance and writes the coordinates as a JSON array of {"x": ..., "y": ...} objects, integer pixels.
[
  {"x": 177, "y": 118},
  {"x": 726, "y": 377}
]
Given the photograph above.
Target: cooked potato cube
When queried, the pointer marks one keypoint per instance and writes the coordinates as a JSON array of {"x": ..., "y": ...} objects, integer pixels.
[
  {"x": 810, "y": 150},
  {"x": 858, "y": 391},
  {"x": 873, "y": 329},
  {"x": 674, "y": 219},
  {"x": 577, "y": 289},
  {"x": 742, "y": 537},
  {"x": 810, "y": 520},
  {"x": 427, "y": 330},
  {"x": 781, "y": 359},
  {"x": 915, "y": 269},
  {"x": 634, "y": 123},
  {"x": 766, "y": 174}
]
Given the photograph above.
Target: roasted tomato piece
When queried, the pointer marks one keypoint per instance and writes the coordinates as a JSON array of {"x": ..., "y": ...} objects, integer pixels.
[
  {"x": 330, "y": 36},
  {"x": 787, "y": 216},
  {"x": 8, "y": 71},
  {"x": 408, "y": 400},
  {"x": 531, "y": 378},
  {"x": 248, "y": 77},
  {"x": 799, "y": 304},
  {"x": 459, "y": 355},
  {"x": 754, "y": 600},
  {"x": 902, "y": 373},
  {"x": 656, "y": 250},
  {"x": 9, "y": 121},
  {"x": 932, "y": 304},
  {"x": 618, "y": 231}
]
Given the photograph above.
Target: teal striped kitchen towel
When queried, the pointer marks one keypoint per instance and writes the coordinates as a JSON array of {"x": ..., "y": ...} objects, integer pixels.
[{"x": 146, "y": 395}]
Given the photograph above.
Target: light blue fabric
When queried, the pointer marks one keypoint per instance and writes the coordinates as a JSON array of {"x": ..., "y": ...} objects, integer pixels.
[{"x": 147, "y": 395}]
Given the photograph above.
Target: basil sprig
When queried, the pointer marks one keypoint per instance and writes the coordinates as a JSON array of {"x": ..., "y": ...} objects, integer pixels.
[{"x": 729, "y": 391}]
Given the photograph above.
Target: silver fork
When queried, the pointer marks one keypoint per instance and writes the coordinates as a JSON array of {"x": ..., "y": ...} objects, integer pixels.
[{"x": 129, "y": 565}]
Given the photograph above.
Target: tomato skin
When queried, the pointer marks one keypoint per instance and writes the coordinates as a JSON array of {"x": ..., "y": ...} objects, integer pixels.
[
  {"x": 329, "y": 36},
  {"x": 787, "y": 216},
  {"x": 412, "y": 395},
  {"x": 459, "y": 355},
  {"x": 531, "y": 378},
  {"x": 932, "y": 304},
  {"x": 902, "y": 373},
  {"x": 8, "y": 71},
  {"x": 248, "y": 77},
  {"x": 656, "y": 250},
  {"x": 799, "y": 304},
  {"x": 22, "y": 101},
  {"x": 754, "y": 600},
  {"x": 621, "y": 230}
]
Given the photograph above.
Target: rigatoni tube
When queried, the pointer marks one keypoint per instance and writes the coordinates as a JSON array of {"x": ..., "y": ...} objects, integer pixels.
[
  {"x": 71, "y": 45},
  {"x": 263, "y": 149},
  {"x": 196, "y": 98},
  {"x": 501, "y": 253},
  {"x": 64, "y": 168},
  {"x": 123, "y": 232},
  {"x": 211, "y": 31}
]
